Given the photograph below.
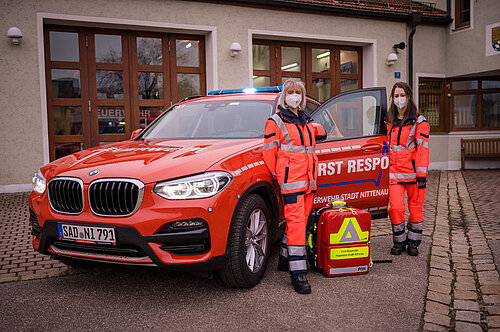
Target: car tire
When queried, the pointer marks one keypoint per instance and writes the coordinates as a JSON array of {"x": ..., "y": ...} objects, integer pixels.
[
  {"x": 249, "y": 244},
  {"x": 78, "y": 263}
]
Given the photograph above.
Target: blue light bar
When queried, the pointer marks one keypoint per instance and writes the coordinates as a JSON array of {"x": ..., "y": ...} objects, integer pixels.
[{"x": 246, "y": 90}]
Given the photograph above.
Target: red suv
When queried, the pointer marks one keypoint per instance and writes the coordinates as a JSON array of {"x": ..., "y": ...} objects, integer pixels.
[{"x": 191, "y": 191}]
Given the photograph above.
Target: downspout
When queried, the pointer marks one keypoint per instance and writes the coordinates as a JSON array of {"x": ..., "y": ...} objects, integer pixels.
[{"x": 415, "y": 19}]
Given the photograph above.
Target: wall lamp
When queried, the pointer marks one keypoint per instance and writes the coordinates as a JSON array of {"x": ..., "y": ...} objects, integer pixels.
[
  {"x": 393, "y": 57},
  {"x": 235, "y": 49},
  {"x": 14, "y": 35}
]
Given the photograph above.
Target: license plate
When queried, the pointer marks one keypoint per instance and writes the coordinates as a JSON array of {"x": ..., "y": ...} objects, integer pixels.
[{"x": 87, "y": 234}]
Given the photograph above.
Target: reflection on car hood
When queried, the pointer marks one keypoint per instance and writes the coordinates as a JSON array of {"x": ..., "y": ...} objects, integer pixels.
[{"x": 148, "y": 161}]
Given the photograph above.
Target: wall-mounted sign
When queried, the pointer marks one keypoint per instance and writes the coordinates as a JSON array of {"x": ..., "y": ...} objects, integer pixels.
[
  {"x": 493, "y": 39},
  {"x": 397, "y": 75}
]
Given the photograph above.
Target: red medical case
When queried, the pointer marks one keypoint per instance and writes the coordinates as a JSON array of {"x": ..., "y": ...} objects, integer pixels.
[{"x": 343, "y": 240}]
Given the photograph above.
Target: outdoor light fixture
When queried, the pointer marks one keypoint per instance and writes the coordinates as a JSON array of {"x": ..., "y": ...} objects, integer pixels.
[
  {"x": 285, "y": 67},
  {"x": 400, "y": 46},
  {"x": 235, "y": 49},
  {"x": 15, "y": 35},
  {"x": 391, "y": 59}
]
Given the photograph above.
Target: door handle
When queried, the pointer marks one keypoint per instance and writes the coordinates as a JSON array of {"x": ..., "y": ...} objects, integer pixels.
[{"x": 371, "y": 147}]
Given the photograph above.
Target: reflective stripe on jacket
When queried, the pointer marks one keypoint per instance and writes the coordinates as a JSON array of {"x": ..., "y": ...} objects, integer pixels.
[
  {"x": 289, "y": 152},
  {"x": 408, "y": 150}
]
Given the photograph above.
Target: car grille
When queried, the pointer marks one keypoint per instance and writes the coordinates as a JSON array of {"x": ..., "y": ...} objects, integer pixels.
[
  {"x": 119, "y": 250},
  {"x": 115, "y": 197},
  {"x": 66, "y": 195}
]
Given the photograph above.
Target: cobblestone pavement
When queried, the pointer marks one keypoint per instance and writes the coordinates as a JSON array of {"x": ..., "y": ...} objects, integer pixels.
[{"x": 460, "y": 219}]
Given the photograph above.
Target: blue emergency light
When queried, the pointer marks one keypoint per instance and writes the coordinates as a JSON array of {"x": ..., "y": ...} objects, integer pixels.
[{"x": 246, "y": 90}]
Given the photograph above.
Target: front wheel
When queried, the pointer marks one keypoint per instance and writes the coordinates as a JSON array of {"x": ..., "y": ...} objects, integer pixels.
[{"x": 249, "y": 244}]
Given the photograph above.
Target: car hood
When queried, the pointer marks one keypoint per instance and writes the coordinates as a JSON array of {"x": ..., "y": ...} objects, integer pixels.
[{"x": 148, "y": 161}]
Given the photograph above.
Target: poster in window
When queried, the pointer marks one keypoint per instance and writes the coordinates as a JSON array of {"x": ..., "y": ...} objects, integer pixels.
[{"x": 493, "y": 39}]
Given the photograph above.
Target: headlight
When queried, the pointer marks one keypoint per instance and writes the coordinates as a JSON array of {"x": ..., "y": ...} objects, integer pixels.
[
  {"x": 196, "y": 186},
  {"x": 38, "y": 182}
]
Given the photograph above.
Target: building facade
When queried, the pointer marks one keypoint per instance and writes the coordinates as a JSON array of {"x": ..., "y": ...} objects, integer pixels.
[{"x": 87, "y": 73}]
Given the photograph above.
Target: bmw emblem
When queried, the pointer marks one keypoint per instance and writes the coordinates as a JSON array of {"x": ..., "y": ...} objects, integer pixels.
[{"x": 94, "y": 172}]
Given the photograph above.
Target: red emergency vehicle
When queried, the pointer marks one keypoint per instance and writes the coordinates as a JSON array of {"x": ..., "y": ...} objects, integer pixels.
[{"x": 191, "y": 191}]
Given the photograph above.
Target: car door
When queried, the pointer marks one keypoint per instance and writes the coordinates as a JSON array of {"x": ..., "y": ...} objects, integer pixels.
[{"x": 354, "y": 159}]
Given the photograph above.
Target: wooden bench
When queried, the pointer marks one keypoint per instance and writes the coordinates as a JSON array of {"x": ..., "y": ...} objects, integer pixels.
[{"x": 480, "y": 148}]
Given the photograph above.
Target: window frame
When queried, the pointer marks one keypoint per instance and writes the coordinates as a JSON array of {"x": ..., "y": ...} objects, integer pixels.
[
  {"x": 442, "y": 122},
  {"x": 458, "y": 11}
]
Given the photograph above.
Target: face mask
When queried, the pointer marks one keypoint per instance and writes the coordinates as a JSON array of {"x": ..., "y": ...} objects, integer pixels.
[
  {"x": 293, "y": 100},
  {"x": 400, "y": 102}
]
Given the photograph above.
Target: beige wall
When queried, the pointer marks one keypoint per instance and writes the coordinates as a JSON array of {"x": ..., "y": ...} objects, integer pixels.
[
  {"x": 466, "y": 48},
  {"x": 21, "y": 144}
]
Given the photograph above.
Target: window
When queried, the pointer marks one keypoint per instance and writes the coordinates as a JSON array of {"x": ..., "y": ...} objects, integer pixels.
[
  {"x": 326, "y": 70},
  {"x": 470, "y": 104},
  {"x": 462, "y": 13},
  {"x": 431, "y": 102},
  {"x": 475, "y": 104}
]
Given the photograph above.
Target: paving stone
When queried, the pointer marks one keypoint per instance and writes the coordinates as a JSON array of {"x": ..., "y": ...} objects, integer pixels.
[
  {"x": 438, "y": 319},
  {"x": 465, "y": 279},
  {"x": 482, "y": 256},
  {"x": 468, "y": 316},
  {"x": 439, "y": 288},
  {"x": 465, "y": 305},
  {"x": 490, "y": 289},
  {"x": 440, "y": 266},
  {"x": 485, "y": 267},
  {"x": 493, "y": 321},
  {"x": 434, "y": 327},
  {"x": 487, "y": 274},
  {"x": 491, "y": 299},
  {"x": 467, "y": 327},
  {"x": 464, "y": 273},
  {"x": 438, "y": 259},
  {"x": 462, "y": 266},
  {"x": 441, "y": 273},
  {"x": 437, "y": 308},
  {"x": 493, "y": 309},
  {"x": 439, "y": 280},
  {"x": 465, "y": 294},
  {"x": 439, "y": 297}
]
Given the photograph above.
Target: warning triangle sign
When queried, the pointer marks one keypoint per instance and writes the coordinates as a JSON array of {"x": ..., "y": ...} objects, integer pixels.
[{"x": 350, "y": 234}]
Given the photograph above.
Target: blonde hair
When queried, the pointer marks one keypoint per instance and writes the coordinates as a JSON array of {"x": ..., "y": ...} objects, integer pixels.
[{"x": 293, "y": 83}]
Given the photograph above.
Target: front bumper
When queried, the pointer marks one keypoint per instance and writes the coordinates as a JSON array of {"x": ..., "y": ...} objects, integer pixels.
[{"x": 132, "y": 247}]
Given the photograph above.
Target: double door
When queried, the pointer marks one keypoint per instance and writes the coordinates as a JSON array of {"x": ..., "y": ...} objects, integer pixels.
[{"x": 103, "y": 84}]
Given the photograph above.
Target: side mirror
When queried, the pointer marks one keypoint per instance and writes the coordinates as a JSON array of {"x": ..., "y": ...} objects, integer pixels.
[
  {"x": 135, "y": 133},
  {"x": 319, "y": 132}
]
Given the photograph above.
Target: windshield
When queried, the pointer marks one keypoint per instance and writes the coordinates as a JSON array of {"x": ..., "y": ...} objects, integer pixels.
[{"x": 212, "y": 119}]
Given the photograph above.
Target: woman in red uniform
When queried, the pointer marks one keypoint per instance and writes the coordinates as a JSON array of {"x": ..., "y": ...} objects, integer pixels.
[
  {"x": 289, "y": 154},
  {"x": 408, "y": 136}
]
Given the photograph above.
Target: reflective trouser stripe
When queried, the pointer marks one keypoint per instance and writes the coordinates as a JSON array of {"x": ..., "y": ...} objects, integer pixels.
[
  {"x": 402, "y": 176},
  {"x": 293, "y": 185},
  {"x": 415, "y": 232},
  {"x": 297, "y": 264},
  {"x": 398, "y": 233},
  {"x": 283, "y": 248},
  {"x": 421, "y": 169}
]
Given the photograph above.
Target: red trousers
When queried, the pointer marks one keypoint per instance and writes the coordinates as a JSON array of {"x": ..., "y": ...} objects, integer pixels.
[
  {"x": 296, "y": 215},
  {"x": 397, "y": 203},
  {"x": 397, "y": 213}
]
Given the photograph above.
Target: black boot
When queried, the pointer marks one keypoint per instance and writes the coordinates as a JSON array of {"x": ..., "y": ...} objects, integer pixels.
[
  {"x": 412, "y": 250},
  {"x": 397, "y": 249},
  {"x": 301, "y": 285}
]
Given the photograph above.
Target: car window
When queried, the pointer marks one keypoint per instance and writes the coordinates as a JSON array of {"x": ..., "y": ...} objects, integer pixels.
[
  {"x": 212, "y": 119},
  {"x": 311, "y": 106},
  {"x": 352, "y": 115}
]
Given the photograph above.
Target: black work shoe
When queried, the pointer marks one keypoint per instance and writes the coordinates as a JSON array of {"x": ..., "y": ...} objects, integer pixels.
[
  {"x": 397, "y": 249},
  {"x": 282, "y": 265},
  {"x": 412, "y": 250},
  {"x": 301, "y": 285}
]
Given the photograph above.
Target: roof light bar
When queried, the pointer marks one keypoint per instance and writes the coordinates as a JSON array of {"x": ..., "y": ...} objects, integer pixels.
[{"x": 246, "y": 90}]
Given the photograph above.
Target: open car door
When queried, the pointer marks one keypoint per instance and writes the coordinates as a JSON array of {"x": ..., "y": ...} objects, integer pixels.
[{"x": 354, "y": 158}]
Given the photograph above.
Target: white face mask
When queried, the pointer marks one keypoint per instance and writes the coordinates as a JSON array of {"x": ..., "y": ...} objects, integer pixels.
[
  {"x": 400, "y": 102},
  {"x": 293, "y": 100}
]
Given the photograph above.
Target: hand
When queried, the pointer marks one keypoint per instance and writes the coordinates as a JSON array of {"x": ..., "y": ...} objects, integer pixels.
[{"x": 421, "y": 184}]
